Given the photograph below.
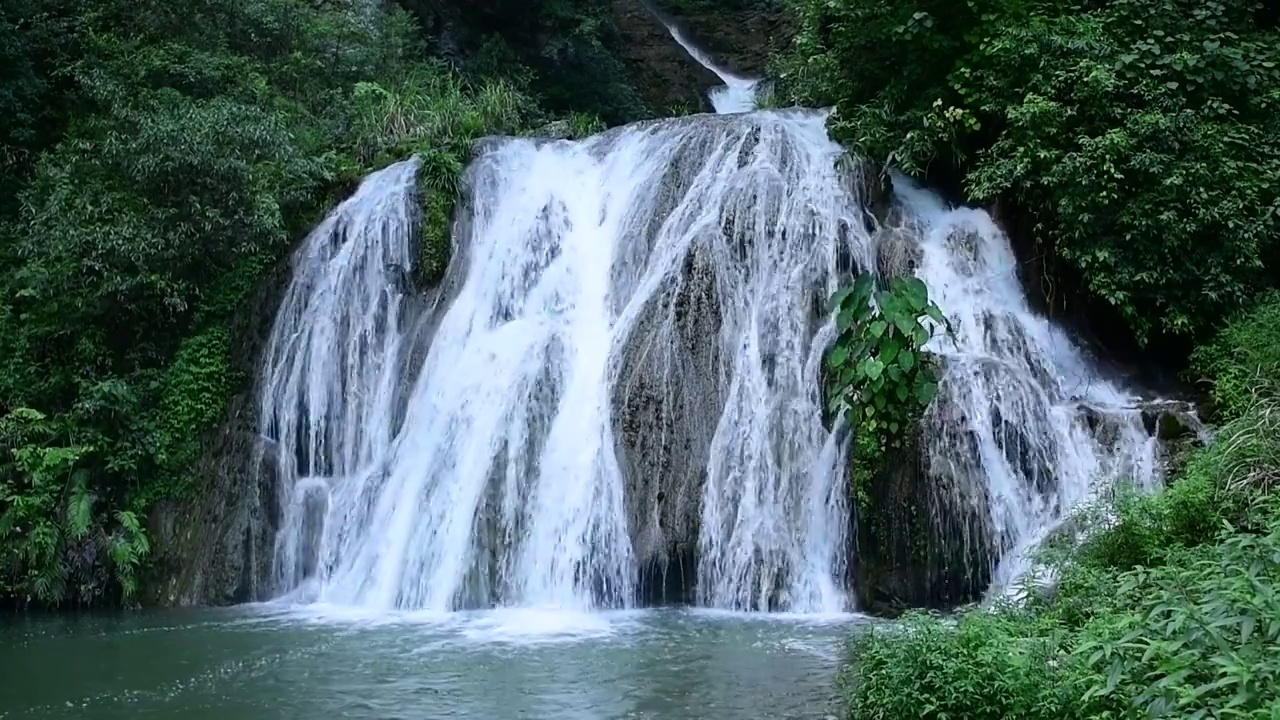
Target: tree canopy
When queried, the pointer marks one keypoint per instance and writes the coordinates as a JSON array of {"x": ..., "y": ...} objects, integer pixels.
[{"x": 1141, "y": 137}]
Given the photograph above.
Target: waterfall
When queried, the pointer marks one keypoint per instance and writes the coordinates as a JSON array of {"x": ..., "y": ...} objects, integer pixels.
[
  {"x": 623, "y": 374},
  {"x": 1024, "y": 425},
  {"x": 612, "y": 399},
  {"x": 736, "y": 95},
  {"x": 331, "y": 368}
]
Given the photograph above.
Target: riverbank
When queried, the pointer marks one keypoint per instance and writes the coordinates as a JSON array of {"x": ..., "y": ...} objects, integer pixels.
[{"x": 1164, "y": 606}]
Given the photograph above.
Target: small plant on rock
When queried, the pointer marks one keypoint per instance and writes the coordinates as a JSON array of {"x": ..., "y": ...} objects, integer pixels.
[{"x": 877, "y": 373}]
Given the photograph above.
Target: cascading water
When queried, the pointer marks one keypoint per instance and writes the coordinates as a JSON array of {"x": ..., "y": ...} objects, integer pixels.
[
  {"x": 1023, "y": 425},
  {"x": 647, "y": 299},
  {"x": 618, "y": 382},
  {"x": 737, "y": 95},
  {"x": 331, "y": 369}
]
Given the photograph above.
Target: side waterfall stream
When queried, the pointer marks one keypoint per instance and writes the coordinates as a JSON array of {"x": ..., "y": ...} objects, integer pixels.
[{"x": 610, "y": 403}]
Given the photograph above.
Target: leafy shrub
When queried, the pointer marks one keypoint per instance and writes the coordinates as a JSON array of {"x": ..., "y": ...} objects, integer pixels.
[
  {"x": 998, "y": 665},
  {"x": 1168, "y": 610},
  {"x": 1141, "y": 136},
  {"x": 1243, "y": 360},
  {"x": 877, "y": 373}
]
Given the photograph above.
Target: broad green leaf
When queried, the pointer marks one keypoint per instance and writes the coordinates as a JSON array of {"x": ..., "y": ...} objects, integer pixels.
[
  {"x": 920, "y": 335},
  {"x": 838, "y": 298},
  {"x": 889, "y": 351},
  {"x": 926, "y": 392},
  {"x": 837, "y": 356},
  {"x": 874, "y": 369}
]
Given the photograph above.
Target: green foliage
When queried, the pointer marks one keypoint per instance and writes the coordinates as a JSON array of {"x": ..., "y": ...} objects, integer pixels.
[
  {"x": 563, "y": 52},
  {"x": 984, "y": 666},
  {"x": 585, "y": 124},
  {"x": 167, "y": 157},
  {"x": 55, "y": 537},
  {"x": 193, "y": 396},
  {"x": 1141, "y": 136},
  {"x": 1188, "y": 639},
  {"x": 437, "y": 113},
  {"x": 878, "y": 375},
  {"x": 1167, "y": 609},
  {"x": 1243, "y": 360}
]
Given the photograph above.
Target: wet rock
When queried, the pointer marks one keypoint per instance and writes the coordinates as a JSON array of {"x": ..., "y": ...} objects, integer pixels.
[
  {"x": 868, "y": 181},
  {"x": 661, "y": 71},
  {"x": 898, "y": 252},
  {"x": 555, "y": 130},
  {"x": 1106, "y": 427},
  {"x": 963, "y": 244},
  {"x": 1170, "y": 419},
  {"x": 215, "y": 546},
  {"x": 667, "y": 392},
  {"x": 739, "y": 34},
  {"x": 400, "y": 279},
  {"x": 923, "y": 534}
]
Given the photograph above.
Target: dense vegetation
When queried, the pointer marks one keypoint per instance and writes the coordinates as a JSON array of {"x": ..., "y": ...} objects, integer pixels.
[
  {"x": 877, "y": 373},
  {"x": 1169, "y": 608},
  {"x": 1134, "y": 144},
  {"x": 157, "y": 160},
  {"x": 1133, "y": 148}
]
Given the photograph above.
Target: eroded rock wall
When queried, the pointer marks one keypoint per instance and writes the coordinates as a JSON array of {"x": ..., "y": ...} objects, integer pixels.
[{"x": 215, "y": 546}]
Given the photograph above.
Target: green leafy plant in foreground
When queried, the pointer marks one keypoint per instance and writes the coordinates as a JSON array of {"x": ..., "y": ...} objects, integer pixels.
[
  {"x": 1167, "y": 609},
  {"x": 878, "y": 374}
]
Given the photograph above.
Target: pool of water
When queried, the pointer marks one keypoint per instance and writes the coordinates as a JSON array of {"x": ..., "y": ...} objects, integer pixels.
[{"x": 278, "y": 663}]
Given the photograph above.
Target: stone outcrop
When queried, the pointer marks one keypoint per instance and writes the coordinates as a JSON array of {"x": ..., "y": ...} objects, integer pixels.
[
  {"x": 898, "y": 252},
  {"x": 215, "y": 546},
  {"x": 924, "y": 538},
  {"x": 1171, "y": 419},
  {"x": 665, "y": 400},
  {"x": 665, "y": 76},
  {"x": 740, "y": 35}
]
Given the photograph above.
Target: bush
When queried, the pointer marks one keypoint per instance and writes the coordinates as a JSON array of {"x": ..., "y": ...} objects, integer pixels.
[
  {"x": 1188, "y": 637},
  {"x": 1167, "y": 609},
  {"x": 999, "y": 665},
  {"x": 1141, "y": 137},
  {"x": 1243, "y": 360}
]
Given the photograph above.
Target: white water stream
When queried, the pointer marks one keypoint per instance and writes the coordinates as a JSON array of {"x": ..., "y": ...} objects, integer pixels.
[
  {"x": 502, "y": 485},
  {"x": 737, "y": 95}
]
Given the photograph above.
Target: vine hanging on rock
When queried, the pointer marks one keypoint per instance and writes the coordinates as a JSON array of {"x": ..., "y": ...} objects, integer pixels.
[{"x": 877, "y": 372}]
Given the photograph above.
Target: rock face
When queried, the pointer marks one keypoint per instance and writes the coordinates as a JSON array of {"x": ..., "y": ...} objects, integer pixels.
[
  {"x": 666, "y": 77},
  {"x": 664, "y": 401},
  {"x": 215, "y": 547},
  {"x": 898, "y": 252},
  {"x": 1171, "y": 419},
  {"x": 924, "y": 538},
  {"x": 739, "y": 34}
]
